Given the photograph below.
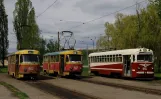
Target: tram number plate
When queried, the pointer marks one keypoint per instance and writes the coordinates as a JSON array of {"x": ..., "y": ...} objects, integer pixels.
[
  {"x": 144, "y": 68},
  {"x": 75, "y": 67},
  {"x": 31, "y": 68}
]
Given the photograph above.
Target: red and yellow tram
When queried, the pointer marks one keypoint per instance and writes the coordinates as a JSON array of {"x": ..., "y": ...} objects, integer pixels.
[
  {"x": 134, "y": 63},
  {"x": 64, "y": 63},
  {"x": 24, "y": 63}
]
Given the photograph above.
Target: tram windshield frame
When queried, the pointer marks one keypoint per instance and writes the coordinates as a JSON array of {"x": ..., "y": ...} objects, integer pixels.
[
  {"x": 29, "y": 58},
  {"x": 75, "y": 58},
  {"x": 144, "y": 58}
]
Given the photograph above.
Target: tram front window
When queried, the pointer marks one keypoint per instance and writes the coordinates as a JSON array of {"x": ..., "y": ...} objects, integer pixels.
[
  {"x": 74, "y": 57},
  {"x": 29, "y": 58},
  {"x": 147, "y": 58}
]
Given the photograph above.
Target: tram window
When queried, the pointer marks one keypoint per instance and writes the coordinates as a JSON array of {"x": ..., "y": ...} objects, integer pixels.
[
  {"x": 21, "y": 59},
  {"x": 144, "y": 58},
  {"x": 133, "y": 58},
  {"x": 107, "y": 58},
  {"x": 113, "y": 58},
  {"x": 96, "y": 58},
  {"x": 51, "y": 58},
  {"x": 67, "y": 58},
  {"x": 120, "y": 59},
  {"x": 103, "y": 58},
  {"x": 100, "y": 60},
  {"x": 91, "y": 59},
  {"x": 117, "y": 58},
  {"x": 110, "y": 58}
]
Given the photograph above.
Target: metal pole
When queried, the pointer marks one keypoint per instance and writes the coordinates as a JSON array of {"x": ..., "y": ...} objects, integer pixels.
[
  {"x": 87, "y": 55},
  {"x": 93, "y": 44},
  {"x": 58, "y": 41}
]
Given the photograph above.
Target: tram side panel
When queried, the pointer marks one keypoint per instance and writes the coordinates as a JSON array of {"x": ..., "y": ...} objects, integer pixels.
[
  {"x": 107, "y": 68},
  {"x": 54, "y": 67}
]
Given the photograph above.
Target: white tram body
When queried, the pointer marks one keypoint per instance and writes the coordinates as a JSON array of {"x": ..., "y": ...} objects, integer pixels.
[{"x": 134, "y": 63}]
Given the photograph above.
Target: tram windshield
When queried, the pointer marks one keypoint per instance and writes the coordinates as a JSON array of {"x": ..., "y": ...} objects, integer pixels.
[
  {"x": 144, "y": 57},
  {"x": 29, "y": 58},
  {"x": 74, "y": 57}
]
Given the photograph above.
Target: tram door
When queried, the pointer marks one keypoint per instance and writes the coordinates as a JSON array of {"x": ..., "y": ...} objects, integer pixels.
[
  {"x": 127, "y": 65},
  {"x": 17, "y": 65},
  {"x": 61, "y": 64}
]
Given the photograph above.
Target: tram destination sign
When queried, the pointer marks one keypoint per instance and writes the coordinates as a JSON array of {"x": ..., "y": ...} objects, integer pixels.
[{"x": 30, "y": 52}]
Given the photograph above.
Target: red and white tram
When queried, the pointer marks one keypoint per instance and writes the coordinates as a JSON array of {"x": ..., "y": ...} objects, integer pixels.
[{"x": 134, "y": 63}]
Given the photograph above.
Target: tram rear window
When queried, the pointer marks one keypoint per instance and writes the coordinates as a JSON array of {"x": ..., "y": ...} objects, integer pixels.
[
  {"x": 74, "y": 57},
  {"x": 144, "y": 58},
  {"x": 29, "y": 58}
]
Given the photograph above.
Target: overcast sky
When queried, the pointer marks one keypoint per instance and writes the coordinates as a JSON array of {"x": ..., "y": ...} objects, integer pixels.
[{"x": 72, "y": 13}]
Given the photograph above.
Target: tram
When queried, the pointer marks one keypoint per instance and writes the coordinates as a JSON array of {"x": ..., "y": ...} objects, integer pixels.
[
  {"x": 63, "y": 63},
  {"x": 24, "y": 63},
  {"x": 133, "y": 63}
]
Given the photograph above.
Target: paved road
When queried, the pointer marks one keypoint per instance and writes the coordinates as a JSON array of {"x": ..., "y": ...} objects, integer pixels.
[
  {"x": 6, "y": 94},
  {"x": 101, "y": 91},
  {"x": 32, "y": 92}
]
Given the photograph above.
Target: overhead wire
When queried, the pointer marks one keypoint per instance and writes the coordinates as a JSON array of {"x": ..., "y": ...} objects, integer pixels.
[
  {"x": 107, "y": 14},
  {"x": 47, "y": 8}
]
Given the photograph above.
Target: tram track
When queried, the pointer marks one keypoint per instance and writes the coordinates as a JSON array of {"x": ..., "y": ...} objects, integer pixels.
[
  {"x": 123, "y": 86},
  {"x": 58, "y": 91},
  {"x": 116, "y": 85}
]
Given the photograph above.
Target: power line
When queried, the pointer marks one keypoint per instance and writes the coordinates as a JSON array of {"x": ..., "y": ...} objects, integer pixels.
[
  {"x": 47, "y": 8},
  {"x": 107, "y": 14}
]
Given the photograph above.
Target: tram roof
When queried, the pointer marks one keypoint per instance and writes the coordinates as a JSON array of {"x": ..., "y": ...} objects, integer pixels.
[
  {"x": 26, "y": 51},
  {"x": 63, "y": 52},
  {"x": 123, "y": 52}
]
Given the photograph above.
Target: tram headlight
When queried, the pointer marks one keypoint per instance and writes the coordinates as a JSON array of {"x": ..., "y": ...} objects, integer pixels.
[
  {"x": 139, "y": 68},
  {"x": 152, "y": 68}
]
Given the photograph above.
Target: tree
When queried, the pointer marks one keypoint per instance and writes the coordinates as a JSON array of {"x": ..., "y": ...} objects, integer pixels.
[
  {"x": 3, "y": 31},
  {"x": 25, "y": 26},
  {"x": 42, "y": 48},
  {"x": 52, "y": 46},
  {"x": 140, "y": 29}
]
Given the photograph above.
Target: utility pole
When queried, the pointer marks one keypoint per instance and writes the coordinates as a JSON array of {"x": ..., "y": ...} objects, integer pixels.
[
  {"x": 93, "y": 44},
  {"x": 87, "y": 54},
  {"x": 58, "y": 41}
]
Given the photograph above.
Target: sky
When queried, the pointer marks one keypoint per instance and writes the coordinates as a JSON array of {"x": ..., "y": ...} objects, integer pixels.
[{"x": 69, "y": 15}]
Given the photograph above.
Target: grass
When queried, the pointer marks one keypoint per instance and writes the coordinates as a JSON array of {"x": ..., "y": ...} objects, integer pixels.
[
  {"x": 15, "y": 91},
  {"x": 4, "y": 69},
  {"x": 157, "y": 75}
]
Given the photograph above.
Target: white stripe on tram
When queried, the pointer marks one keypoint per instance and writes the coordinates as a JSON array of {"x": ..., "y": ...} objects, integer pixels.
[{"x": 108, "y": 69}]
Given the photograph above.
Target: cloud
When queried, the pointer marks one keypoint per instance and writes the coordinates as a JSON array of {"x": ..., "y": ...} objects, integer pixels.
[{"x": 67, "y": 14}]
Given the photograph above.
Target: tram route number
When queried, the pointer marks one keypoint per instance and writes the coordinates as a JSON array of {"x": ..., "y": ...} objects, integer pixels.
[
  {"x": 144, "y": 68},
  {"x": 31, "y": 68}
]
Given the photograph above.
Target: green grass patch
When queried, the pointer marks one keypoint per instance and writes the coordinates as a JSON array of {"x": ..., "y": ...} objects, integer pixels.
[
  {"x": 15, "y": 91},
  {"x": 158, "y": 75},
  {"x": 4, "y": 69}
]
